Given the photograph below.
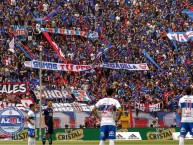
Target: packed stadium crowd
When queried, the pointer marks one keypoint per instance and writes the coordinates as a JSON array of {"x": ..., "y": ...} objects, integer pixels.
[{"x": 130, "y": 25}]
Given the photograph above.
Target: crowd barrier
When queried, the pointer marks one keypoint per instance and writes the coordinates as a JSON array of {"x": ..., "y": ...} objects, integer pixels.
[{"x": 93, "y": 134}]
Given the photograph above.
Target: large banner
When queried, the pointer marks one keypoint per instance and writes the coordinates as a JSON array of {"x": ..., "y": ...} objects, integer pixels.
[
  {"x": 13, "y": 88},
  {"x": 148, "y": 107},
  {"x": 142, "y": 66},
  {"x": 19, "y": 30},
  {"x": 53, "y": 94},
  {"x": 57, "y": 66},
  {"x": 71, "y": 107},
  {"x": 90, "y": 35},
  {"x": 80, "y": 95},
  {"x": 75, "y": 113},
  {"x": 180, "y": 36},
  {"x": 26, "y": 102},
  {"x": 78, "y": 68}
]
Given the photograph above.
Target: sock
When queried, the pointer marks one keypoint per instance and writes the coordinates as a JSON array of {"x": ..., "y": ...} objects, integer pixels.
[
  {"x": 44, "y": 140},
  {"x": 33, "y": 141},
  {"x": 111, "y": 142},
  {"x": 181, "y": 141},
  {"x": 30, "y": 141},
  {"x": 102, "y": 142},
  {"x": 50, "y": 141}
]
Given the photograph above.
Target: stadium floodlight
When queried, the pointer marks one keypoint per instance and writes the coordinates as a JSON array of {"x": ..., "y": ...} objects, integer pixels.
[{"x": 40, "y": 102}]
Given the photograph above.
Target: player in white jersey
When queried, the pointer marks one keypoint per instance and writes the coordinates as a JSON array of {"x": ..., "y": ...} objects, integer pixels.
[
  {"x": 108, "y": 120},
  {"x": 31, "y": 125},
  {"x": 186, "y": 113}
]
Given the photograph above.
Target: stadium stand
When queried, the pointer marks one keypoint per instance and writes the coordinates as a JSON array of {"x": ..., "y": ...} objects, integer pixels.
[{"x": 132, "y": 26}]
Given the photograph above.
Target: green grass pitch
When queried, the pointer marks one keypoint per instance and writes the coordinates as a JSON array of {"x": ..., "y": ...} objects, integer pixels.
[{"x": 144, "y": 142}]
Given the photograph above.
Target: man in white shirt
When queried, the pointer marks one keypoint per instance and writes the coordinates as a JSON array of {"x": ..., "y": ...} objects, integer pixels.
[
  {"x": 186, "y": 113},
  {"x": 31, "y": 125},
  {"x": 108, "y": 107},
  {"x": 13, "y": 2},
  {"x": 45, "y": 7}
]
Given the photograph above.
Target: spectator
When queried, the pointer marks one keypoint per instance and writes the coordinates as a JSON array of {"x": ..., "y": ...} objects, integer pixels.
[
  {"x": 154, "y": 123},
  {"x": 174, "y": 123}
]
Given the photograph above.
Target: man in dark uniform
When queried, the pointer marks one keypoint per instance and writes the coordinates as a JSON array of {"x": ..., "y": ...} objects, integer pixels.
[{"x": 48, "y": 123}]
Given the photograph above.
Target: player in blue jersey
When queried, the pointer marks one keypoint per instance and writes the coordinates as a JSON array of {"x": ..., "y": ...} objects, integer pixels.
[
  {"x": 108, "y": 119},
  {"x": 186, "y": 113},
  {"x": 31, "y": 117},
  {"x": 48, "y": 123}
]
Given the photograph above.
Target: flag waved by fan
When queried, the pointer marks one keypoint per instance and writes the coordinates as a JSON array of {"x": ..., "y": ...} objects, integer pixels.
[
  {"x": 189, "y": 12},
  {"x": 49, "y": 16},
  {"x": 11, "y": 46},
  {"x": 103, "y": 51}
]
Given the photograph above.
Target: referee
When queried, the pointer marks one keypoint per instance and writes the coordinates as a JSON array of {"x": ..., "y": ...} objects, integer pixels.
[{"x": 48, "y": 122}]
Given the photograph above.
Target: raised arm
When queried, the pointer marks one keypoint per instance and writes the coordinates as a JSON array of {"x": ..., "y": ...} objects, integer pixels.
[
  {"x": 94, "y": 110},
  {"x": 119, "y": 114},
  {"x": 119, "y": 109}
]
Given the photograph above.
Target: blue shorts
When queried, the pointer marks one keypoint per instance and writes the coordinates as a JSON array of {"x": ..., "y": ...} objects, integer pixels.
[
  {"x": 31, "y": 132},
  {"x": 185, "y": 128},
  {"x": 107, "y": 132}
]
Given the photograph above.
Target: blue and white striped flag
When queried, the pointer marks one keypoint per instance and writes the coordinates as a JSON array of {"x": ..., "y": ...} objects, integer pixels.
[{"x": 101, "y": 52}]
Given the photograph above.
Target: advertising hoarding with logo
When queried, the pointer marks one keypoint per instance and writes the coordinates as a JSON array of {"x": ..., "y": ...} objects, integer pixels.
[
  {"x": 11, "y": 121},
  {"x": 161, "y": 134},
  {"x": 70, "y": 134},
  {"x": 128, "y": 136},
  {"x": 13, "y": 88},
  {"x": 176, "y": 136}
]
